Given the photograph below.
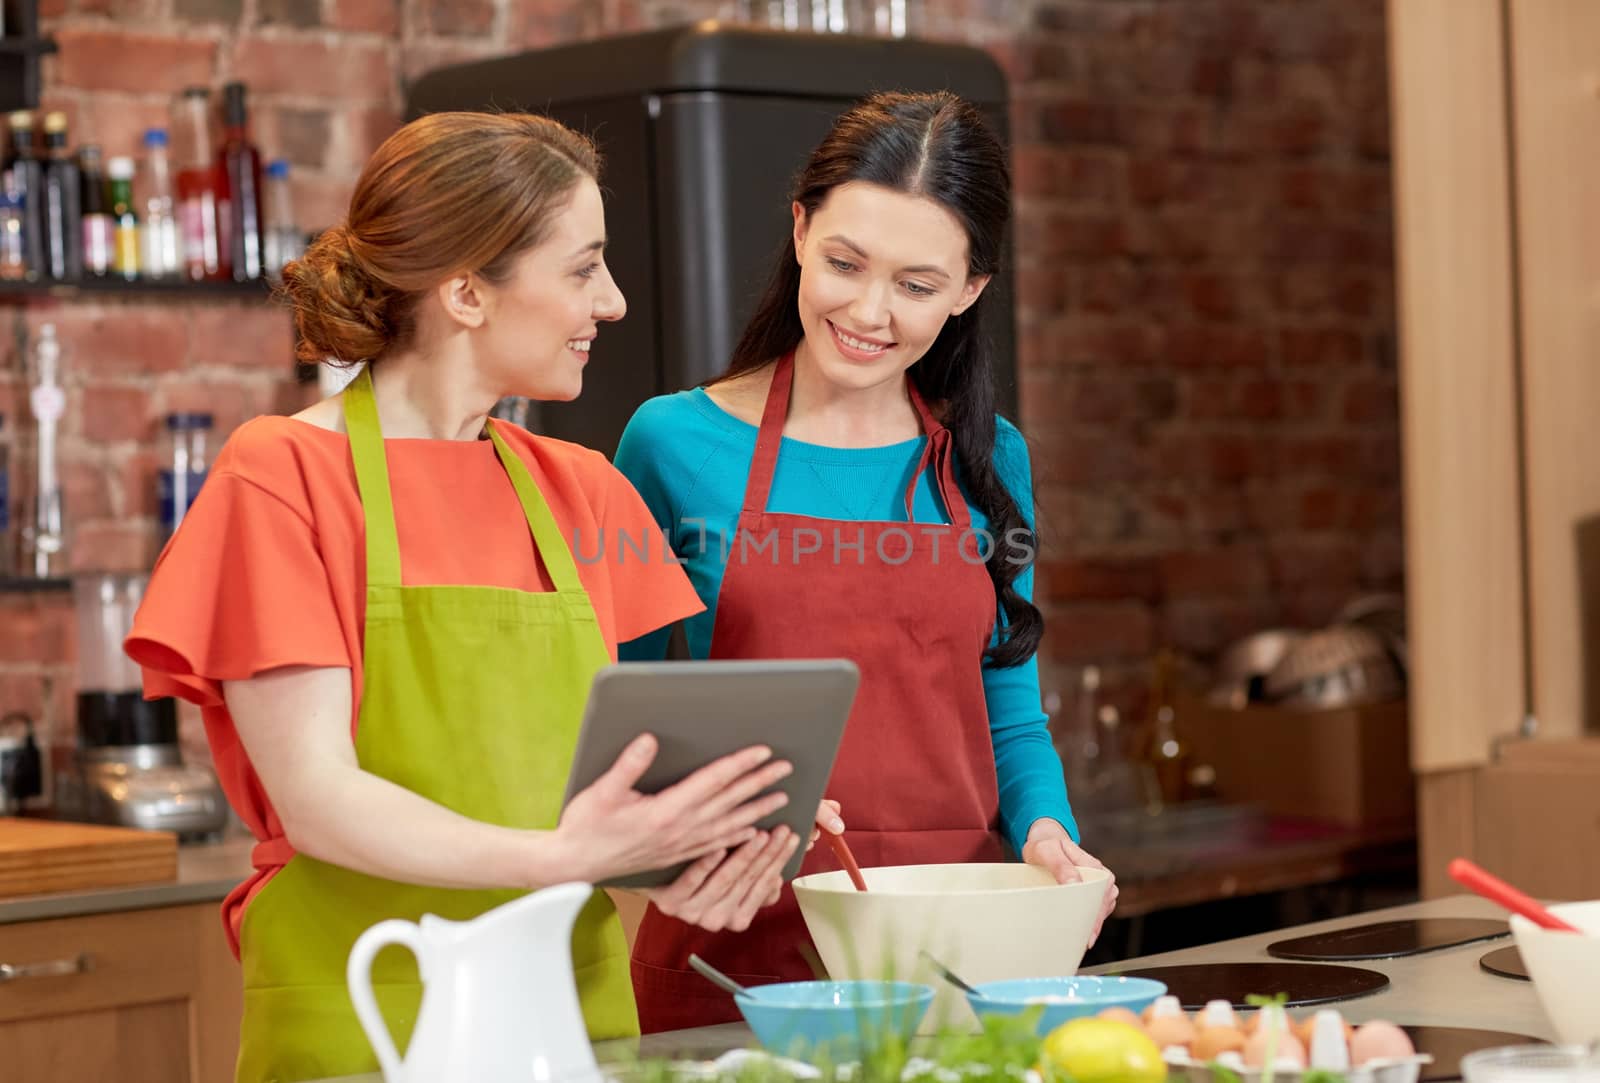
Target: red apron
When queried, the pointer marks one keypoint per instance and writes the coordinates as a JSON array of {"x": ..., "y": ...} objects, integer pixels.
[{"x": 915, "y": 773}]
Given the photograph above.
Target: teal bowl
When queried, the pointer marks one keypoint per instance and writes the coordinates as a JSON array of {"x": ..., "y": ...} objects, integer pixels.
[
  {"x": 1064, "y": 999},
  {"x": 839, "y": 1020}
]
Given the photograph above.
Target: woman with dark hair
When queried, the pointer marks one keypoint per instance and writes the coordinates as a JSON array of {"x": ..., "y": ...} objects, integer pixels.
[
  {"x": 376, "y": 608},
  {"x": 846, "y": 488}
]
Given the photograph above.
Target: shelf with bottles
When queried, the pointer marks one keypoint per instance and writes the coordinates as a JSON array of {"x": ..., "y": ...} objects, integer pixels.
[
  {"x": 210, "y": 218},
  {"x": 110, "y": 287}
]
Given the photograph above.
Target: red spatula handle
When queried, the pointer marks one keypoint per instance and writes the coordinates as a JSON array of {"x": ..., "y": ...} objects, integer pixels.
[
  {"x": 847, "y": 859},
  {"x": 1494, "y": 889}
]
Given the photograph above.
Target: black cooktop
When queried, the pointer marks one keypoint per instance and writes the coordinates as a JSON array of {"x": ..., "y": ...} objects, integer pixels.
[
  {"x": 1506, "y": 963},
  {"x": 1447, "y": 1045},
  {"x": 1389, "y": 939},
  {"x": 1305, "y": 983}
]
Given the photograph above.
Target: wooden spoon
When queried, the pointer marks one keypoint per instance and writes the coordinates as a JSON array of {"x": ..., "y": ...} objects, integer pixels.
[{"x": 1496, "y": 890}]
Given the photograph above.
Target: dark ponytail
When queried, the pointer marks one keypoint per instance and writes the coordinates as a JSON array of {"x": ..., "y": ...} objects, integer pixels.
[{"x": 937, "y": 146}]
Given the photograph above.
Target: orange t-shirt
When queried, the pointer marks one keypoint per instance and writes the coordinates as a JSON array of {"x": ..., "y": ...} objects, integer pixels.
[{"x": 269, "y": 566}]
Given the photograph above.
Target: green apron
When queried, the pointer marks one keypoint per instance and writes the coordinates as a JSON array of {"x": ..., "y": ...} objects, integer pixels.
[{"x": 472, "y": 698}]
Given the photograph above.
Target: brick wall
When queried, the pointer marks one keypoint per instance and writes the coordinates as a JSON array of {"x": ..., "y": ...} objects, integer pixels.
[{"x": 1205, "y": 276}]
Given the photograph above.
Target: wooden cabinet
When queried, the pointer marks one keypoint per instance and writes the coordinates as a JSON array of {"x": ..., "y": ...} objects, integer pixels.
[
  {"x": 1496, "y": 148},
  {"x": 143, "y": 996}
]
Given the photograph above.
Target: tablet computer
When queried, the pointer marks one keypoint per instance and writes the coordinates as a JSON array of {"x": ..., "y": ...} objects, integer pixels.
[{"x": 702, "y": 711}]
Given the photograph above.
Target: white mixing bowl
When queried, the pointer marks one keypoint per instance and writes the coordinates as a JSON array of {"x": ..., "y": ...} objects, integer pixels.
[
  {"x": 986, "y": 922},
  {"x": 1565, "y": 968}
]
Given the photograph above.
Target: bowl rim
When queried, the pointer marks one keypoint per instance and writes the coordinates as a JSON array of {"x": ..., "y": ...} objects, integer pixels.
[
  {"x": 1132, "y": 989},
  {"x": 1096, "y": 876},
  {"x": 900, "y": 993}
]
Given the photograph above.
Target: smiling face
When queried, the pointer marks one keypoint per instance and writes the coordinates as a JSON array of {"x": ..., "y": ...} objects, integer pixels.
[
  {"x": 880, "y": 273},
  {"x": 540, "y": 321}
]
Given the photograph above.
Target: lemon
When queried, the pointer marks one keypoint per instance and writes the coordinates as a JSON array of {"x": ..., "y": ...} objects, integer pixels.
[{"x": 1102, "y": 1051}]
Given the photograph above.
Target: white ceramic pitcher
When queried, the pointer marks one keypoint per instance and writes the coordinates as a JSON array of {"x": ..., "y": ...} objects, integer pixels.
[{"x": 499, "y": 1002}]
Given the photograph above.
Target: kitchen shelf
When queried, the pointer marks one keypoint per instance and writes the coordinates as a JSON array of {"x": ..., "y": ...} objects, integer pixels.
[
  {"x": 21, "y": 46},
  {"x": 17, "y": 584},
  {"x": 119, "y": 287}
]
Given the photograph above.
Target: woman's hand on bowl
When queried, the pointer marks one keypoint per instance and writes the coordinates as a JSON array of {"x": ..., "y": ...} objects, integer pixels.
[{"x": 1050, "y": 848}]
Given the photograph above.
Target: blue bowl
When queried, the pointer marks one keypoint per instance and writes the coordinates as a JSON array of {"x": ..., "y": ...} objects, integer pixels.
[
  {"x": 839, "y": 1020},
  {"x": 1064, "y": 998}
]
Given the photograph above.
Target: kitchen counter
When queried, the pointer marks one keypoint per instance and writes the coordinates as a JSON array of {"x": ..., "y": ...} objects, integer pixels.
[
  {"x": 1441, "y": 988},
  {"x": 206, "y": 873}
]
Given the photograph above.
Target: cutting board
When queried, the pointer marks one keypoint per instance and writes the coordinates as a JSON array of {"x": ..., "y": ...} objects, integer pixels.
[{"x": 44, "y": 856}]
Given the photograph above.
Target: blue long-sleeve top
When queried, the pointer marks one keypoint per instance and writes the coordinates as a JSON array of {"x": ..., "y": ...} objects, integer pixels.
[{"x": 690, "y": 460}]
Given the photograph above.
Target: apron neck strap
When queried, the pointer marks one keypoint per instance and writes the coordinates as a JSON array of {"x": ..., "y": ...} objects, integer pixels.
[
  {"x": 547, "y": 539},
  {"x": 764, "y": 463},
  {"x": 377, "y": 502},
  {"x": 372, "y": 480}
]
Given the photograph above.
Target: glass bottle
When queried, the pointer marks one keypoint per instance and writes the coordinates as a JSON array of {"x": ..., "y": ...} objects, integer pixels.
[
  {"x": 125, "y": 257},
  {"x": 200, "y": 226},
  {"x": 158, "y": 257},
  {"x": 63, "y": 225},
  {"x": 99, "y": 228},
  {"x": 283, "y": 237},
  {"x": 184, "y": 466},
  {"x": 45, "y": 544},
  {"x": 13, "y": 258},
  {"x": 1166, "y": 753},
  {"x": 28, "y": 174},
  {"x": 7, "y": 547},
  {"x": 240, "y": 164}
]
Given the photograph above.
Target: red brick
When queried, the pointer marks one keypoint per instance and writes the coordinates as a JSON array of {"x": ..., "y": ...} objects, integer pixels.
[
  {"x": 52, "y": 9},
  {"x": 117, "y": 122},
  {"x": 1373, "y": 507},
  {"x": 1323, "y": 456},
  {"x": 85, "y": 490},
  {"x": 1370, "y": 401},
  {"x": 1213, "y": 572},
  {"x": 1076, "y": 122},
  {"x": 1383, "y": 560},
  {"x": 1065, "y": 174},
  {"x": 1045, "y": 289},
  {"x": 1099, "y": 579},
  {"x": 1096, "y": 458},
  {"x": 349, "y": 71},
  {"x": 1300, "y": 561},
  {"x": 1211, "y": 295},
  {"x": 366, "y": 16},
  {"x": 417, "y": 60},
  {"x": 114, "y": 547},
  {"x": 320, "y": 202},
  {"x": 1320, "y": 346},
  {"x": 1233, "y": 456},
  {"x": 1075, "y": 234},
  {"x": 1099, "y": 631},
  {"x": 1360, "y": 294},
  {"x": 224, "y": 400},
  {"x": 1074, "y": 341},
  {"x": 532, "y": 24},
  {"x": 143, "y": 63},
  {"x": 1204, "y": 626},
  {"x": 1261, "y": 400},
  {"x": 249, "y": 335},
  {"x": 1323, "y": 507},
  {"x": 115, "y": 339},
  {"x": 112, "y": 414},
  {"x": 1208, "y": 398},
  {"x": 134, "y": 489},
  {"x": 1223, "y": 345},
  {"x": 36, "y": 628},
  {"x": 459, "y": 18},
  {"x": 366, "y": 129}
]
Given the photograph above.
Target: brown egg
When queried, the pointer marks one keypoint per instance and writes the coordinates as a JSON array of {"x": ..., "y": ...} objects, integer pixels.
[
  {"x": 1378, "y": 1040},
  {"x": 1286, "y": 1047},
  {"x": 1304, "y": 1029},
  {"x": 1123, "y": 1015},
  {"x": 1213, "y": 1040},
  {"x": 1170, "y": 1030}
]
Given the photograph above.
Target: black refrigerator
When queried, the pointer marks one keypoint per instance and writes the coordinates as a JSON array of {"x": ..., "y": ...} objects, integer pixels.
[{"x": 703, "y": 128}]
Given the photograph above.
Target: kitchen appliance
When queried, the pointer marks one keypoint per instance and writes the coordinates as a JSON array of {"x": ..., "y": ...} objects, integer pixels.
[
  {"x": 702, "y": 128},
  {"x": 129, "y": 768},
  {"x": 1195, "y": 986},
  {"x": 1388, "y": 939},
  {"x": 500, "y": 1004}
]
